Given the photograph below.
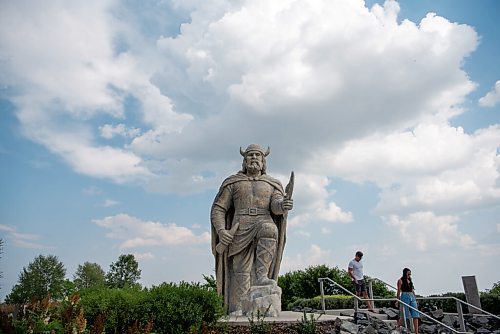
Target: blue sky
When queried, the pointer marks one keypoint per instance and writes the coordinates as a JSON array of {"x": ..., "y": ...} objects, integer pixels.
[{"x": 119, "y": 120}]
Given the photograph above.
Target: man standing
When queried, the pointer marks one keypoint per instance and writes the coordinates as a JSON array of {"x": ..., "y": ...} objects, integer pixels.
[
  {"x": 355, "y": 270},
  {"x": 248, "y": 219}
]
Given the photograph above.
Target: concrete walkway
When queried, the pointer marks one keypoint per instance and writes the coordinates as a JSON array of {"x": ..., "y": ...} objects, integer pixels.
[{"x": 285, "y": 317}]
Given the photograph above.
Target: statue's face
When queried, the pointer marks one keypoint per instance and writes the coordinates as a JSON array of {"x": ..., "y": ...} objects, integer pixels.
[{"x": 254, "y": 161}]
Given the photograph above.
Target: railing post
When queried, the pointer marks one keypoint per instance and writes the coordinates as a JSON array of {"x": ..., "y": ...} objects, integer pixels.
[
  {"x": 460, "y": 312},
  {"x": 403, "y": 314},
  {"x": 322, "y": 290},
  {"x": 356, "y": 306},
  {"x": 370, "y": 289}
]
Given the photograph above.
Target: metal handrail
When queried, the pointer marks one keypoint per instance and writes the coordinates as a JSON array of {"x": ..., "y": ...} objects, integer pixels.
[
  {"x": 358, "y": 299},
  {"x": 385, "y": 283},
  {"x": 444, "y": 297}
]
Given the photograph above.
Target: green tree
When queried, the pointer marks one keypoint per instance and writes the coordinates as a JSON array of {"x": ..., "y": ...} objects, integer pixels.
[
  {"x": 124, "y": 272},
  {"x": 304, "y": 284},
  {"x": 495, "y": 290},
  {"x": 43, "y": 277},
  {"x": 88, "y": 275},
  {"x": 210, "y": 282}
]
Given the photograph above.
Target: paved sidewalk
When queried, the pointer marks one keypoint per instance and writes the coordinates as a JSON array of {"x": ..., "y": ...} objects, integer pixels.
[{"x": 285, "y": 317}]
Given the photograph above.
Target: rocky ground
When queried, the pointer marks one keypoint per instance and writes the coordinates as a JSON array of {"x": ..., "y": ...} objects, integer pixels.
[{"x": 364, "y": 325}]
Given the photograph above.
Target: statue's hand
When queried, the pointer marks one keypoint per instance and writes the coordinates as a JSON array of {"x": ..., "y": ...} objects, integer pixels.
[
  {"x": 225, "y": 237},
  {"x": 287, "y": 204}
]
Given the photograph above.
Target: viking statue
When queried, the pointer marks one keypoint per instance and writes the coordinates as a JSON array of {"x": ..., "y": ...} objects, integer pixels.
[{"x": 248, "y": 219}]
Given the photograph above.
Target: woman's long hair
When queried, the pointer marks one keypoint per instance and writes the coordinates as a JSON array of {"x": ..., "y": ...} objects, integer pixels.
[
  {"x": 405, "y": 271},
  {"x": 407, "y": 282}
]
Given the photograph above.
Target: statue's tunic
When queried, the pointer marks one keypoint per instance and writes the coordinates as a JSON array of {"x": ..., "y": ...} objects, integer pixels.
[{"x": 251, "y": 202}]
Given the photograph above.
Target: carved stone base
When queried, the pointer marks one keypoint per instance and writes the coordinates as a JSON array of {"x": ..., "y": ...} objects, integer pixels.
[{"x": 262, "y": 299}]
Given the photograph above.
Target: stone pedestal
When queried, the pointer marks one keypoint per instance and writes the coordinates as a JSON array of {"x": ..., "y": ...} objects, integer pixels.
[
  {"x": 262, "y": 299},
  {"x": 471, "y": 293}
]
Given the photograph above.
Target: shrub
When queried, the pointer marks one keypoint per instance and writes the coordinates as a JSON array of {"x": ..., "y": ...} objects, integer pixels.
[
  {"x": 120, "y": 308},
  {"x": 331, "y": 302},
  {"x": 447, "y": 305},
  {"x": 306, "y": 325},
  {"x": 490, "y": 302},
  {"x": 304, "y": 284},
  {"x": 184, "y": 307},
  {"x": 168, "y": 308}
]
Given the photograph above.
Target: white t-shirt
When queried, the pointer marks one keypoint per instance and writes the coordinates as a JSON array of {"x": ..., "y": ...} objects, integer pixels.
[{"x": 357, "y": 269}]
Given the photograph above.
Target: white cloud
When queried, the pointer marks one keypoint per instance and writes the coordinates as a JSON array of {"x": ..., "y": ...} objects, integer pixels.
[
  {"x": 325, "y": 230},
  {"x": 315, "y": 68},
  {"x": 492, "y": 98},
  {"x": 313, "y": 256},
  {"x": 314, "y": 202},
  {"x": 92, "y": 191},
  {"x": 6, "y": 228},
  {"x": 109, "y": 203},
  {"x": 425, "y": 230},
  {"x": 59, "y": 95},
  {"x": 302, "y": 233},
  {"x": 22, "y": 240},
  {"x": 108, "y": 131},
  {"x": 144, "y": 256},
  {"x": 135, "y": 233},
  {"x": 434, "y": 166}
]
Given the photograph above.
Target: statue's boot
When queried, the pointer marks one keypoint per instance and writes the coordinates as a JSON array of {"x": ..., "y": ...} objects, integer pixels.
[
  {"x": 266, "y": 249},
  {"x": 241, "y": 288}
]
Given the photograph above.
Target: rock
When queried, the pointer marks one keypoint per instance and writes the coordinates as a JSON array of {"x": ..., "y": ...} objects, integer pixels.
[
  {"x": 383, "y": 331},
  {"x": 370, "y": 330},
  {"x": 360, "y": 316},
  {"x": 437, "y": 314},
  {"x": 264, "y": 300},
  {"x": 378, "y": 324},
  {"x": 450, "y": 320},
  {"x": 349, "y": 327},
  {"x": 431, "y": 329},
  {"x": 391, "y": 313}
]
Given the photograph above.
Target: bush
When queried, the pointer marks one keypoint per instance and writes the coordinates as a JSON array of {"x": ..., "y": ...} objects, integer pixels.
[
  {"x": 331, "y": 302},
  {"x": 184, "y": 308},
  {"x": 304, "y": 284},
  {"x": 491, "y": 302},
  {"x": 168, "y": 308},
  {"x": 447, "y": 305},
  {"x": 121, "y": 308}
]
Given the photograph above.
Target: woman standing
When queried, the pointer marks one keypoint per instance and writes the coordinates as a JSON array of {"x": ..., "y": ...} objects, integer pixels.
[{"x": 406, "y": 294}]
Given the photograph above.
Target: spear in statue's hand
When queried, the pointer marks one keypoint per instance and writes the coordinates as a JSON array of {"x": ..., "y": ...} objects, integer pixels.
[{"x": 289, "y": 186}]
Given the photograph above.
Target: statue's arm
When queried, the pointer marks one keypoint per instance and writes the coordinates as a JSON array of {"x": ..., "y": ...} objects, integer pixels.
[
  {"x": 280, "y": 204},
  {"x": 219, "y": 208}
]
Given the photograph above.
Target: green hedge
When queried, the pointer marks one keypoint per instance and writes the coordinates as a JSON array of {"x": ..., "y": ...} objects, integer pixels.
[
  {"x": 491, "y": 302},
  {"x": 447, "y": 305},
  {"x": 120, "y": 308},
  {"x": 184, "y": 307},
  {"x": 169, "y": 308},
  {"x": 303, "y": 284},
  {"x": 332, "y": 302}
]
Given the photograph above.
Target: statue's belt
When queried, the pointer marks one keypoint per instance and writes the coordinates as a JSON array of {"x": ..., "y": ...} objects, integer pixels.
[{"x": 252, "y": 212}]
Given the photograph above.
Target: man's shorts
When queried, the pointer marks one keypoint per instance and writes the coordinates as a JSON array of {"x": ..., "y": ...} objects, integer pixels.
[
  {"x": 360, "y": 286},
  {"x": 409, "y": 298}
]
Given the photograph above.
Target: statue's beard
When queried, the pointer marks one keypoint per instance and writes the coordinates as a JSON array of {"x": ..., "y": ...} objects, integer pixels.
[{"x": 254, "y": 166}]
